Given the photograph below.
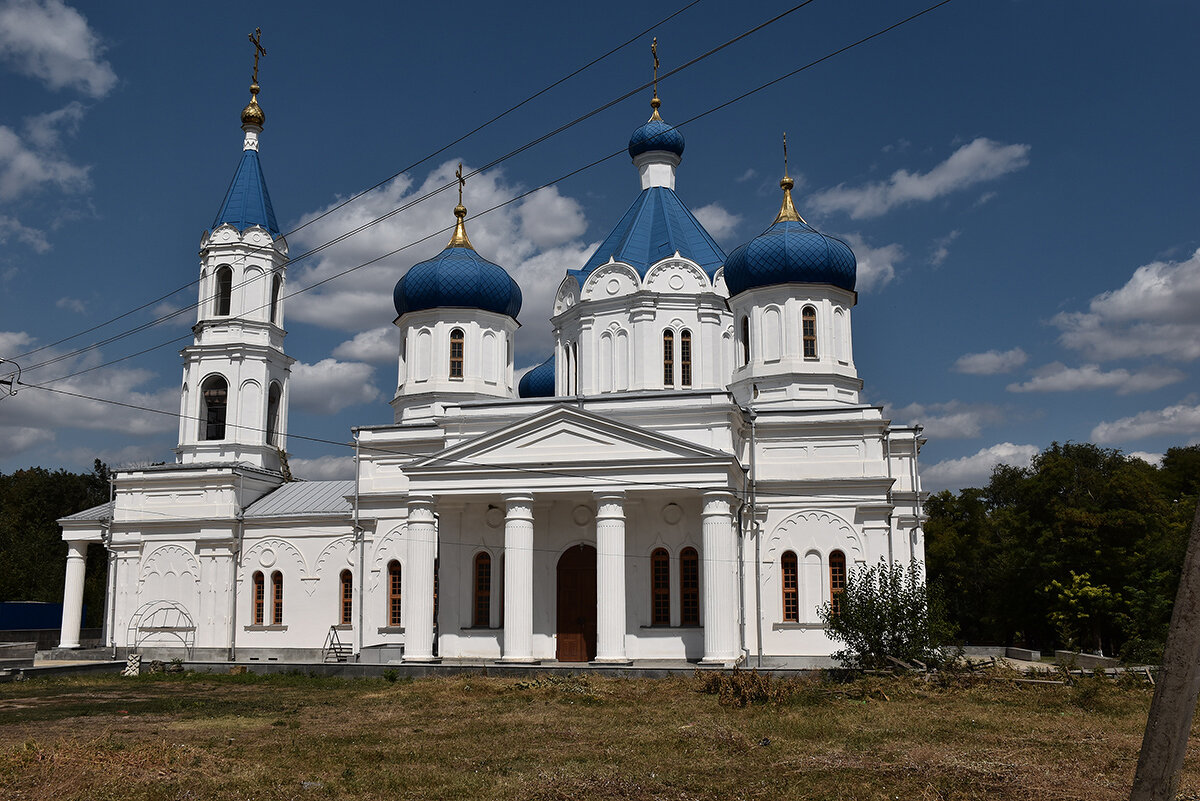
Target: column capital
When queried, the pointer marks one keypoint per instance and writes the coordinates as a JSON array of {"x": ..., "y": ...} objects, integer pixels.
[
  {"x": 610, "y": 505},
  {"x": 420, "y": 508},
  {"x": 718, "y": 502}
]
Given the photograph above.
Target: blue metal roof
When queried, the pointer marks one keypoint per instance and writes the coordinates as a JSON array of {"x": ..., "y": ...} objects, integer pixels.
[
  {"x": 655, "y": 135},
  {"x": 457, "y": 278},
  {"x": 655, "y": 227},
  {"x": 247, "y": 202},
  {"x": 788, "y": 252},
  {"x": 538, "y": 382}
]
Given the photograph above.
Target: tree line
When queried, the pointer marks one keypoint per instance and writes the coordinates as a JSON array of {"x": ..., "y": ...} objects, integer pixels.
[
  {"x": 1080, "y": 550},
  {"x": 33, "y": 556}
]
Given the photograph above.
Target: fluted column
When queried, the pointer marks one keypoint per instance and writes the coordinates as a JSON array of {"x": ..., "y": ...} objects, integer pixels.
[
  {"x": 418, "y": 580},
  {"x": 610, "y": 577},
  {"x": 73, "y": 594},
  {"x": 720, "y": 578},
  {"x": 518, "y": 578}
]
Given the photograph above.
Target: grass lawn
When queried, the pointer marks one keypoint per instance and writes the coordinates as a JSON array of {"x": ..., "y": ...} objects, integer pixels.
[{"x": 201, "y": 736}]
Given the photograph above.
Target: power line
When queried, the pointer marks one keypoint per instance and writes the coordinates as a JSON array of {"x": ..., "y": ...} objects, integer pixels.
[
  {"x": 429, "y": 194},
  {"x": 564, "y": 177}
]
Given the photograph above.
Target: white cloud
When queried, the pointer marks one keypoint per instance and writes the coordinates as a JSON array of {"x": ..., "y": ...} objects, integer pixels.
[
  {"x": 991, "y": 362},
  {"x": 975, "y": 162},
  {"x": 1057, "y": 377},
  {"x": 1149, "y": 458},
  {"x": 719, "y": 223},
  {"x": 985, "y": 198},
  {"x": 941, "y": 248},
  {"x": 17, "y": 439},
  {"x": 46, "y": 130},
  {"x": 747, "y": 175},
  {"x": 376, "y": 345},
  {"x": 24, "y": 169},
  {"x": 975, "y": 470},
  {"x": 1179, "y": 421},
  {"x": 74, "y": 304},
  {"x": 329, "y": 386},
  {"x": 951, "y": 420},
  {"x": 876, "y": 266},
  {"x": 52, "y": 42},
  {"x": 13, "y": 342},
  {"x": 363, "y": 299},
  {"x": 323, "y": 468},
  {"x": 1153, "y": 314},
  {"x": 11, "y": 228}
]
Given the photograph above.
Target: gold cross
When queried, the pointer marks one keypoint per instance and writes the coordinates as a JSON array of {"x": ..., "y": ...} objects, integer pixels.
[
  {"x": 654, "y": 52},
  {"x": 256, "y": 40},
  {"x": 785, "y": 171},
  {"x": 461, "y": 182}
]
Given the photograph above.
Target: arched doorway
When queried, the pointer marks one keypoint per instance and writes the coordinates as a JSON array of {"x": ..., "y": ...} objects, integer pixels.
[{"x": 577, "y": 604}]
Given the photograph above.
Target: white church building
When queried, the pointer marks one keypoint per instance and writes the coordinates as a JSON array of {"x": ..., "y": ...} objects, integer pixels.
[{"x": 689, "y": 476}]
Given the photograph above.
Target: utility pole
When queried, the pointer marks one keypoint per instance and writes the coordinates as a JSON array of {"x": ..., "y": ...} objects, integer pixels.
[{"x": 1170, "y": 721}]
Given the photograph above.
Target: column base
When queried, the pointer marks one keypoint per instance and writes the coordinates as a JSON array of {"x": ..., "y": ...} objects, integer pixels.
[
  {"x": 718, "y": 662},
  {"x": 421, "y": 660},
  {"x": 610, "y": 661},
  {"x": 518, "y": 660}
]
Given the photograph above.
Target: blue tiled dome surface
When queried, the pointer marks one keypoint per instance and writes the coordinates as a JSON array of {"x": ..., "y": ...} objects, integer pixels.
[
  {"x": 655, "y": 227},
  {"x": 790, "y": 252},
  {"x": 538, "y": 382},
  {"x": 247, "y": 202},
  {"x": 655, "y": 135},
  {"x": 457, "y": 278}
]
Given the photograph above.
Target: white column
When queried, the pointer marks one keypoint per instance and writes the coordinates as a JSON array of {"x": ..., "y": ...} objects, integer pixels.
[
  {"x": 720, "y": 578},
  {"x": 73, "y": 594},
  {"x": 418, "y": 580},
  {"x": 610, "y": 577},
  {"x": 518, "y": 579}
]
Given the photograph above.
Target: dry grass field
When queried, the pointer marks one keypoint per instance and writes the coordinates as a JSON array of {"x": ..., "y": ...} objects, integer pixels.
[{"x": 199, "y": 736}]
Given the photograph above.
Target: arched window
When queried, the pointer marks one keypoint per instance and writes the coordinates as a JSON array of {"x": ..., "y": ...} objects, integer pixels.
[
  {"x": 224, "y": 296},
  {"x": 393, "y": 596},
  {"x": 483, "y": 591},
  {"x": 668, "y": 358},
  {"x": 277, "y": 598},
  {"x": 685, "y": 358},
  {"x": 791, "y": 587},
  {"x": 273, "y": 396},
  {"x": 260, "y": 598},
  {"x": 214, "y": 393},
  {"x": 745, "y": 341},
  {"x": 456, "y": 353},
  {"x": 837, "y": 580},
  {"x": 346, "y": 599},
  {"x": 660, "y": 588},
  {"x": 809, "y": 320},
  {"x": 689, "y": 587},
  {"x": 276, "y": 286}
]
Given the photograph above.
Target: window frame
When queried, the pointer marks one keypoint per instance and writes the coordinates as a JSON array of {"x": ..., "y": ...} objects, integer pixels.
[
  {"x": 745, "y": 337},
  {"x": 689, "y": 587},
  {"x": 277, "y": 598},
  {"x": 808, "y": 327},
  {"x": 481, "y": 591},
  {"x": 789, "y": 570},
  {"x": 660, "y": 587},
  {"x": 258, "y": 600},
  {"x": 668, "y": 344},
  {"x": 458, "y": 350},
  {"x": 276, "y": 291},
  {"x": 395, "y": 610},
  {"x": 685, "y": 358},
  {"x": 223, "y": 294},
  {"x": 214, "y": 417},
  {"x": 837, "y": 581},
  {"x": 346, "y": 598}
]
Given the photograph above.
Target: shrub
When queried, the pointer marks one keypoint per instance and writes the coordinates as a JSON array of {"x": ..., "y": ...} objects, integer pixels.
[{"x": 887, "y": 611}]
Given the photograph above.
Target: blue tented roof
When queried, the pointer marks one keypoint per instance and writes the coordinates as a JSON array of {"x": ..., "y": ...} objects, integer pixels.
[
  {"x": 655, "y": 227},
  {"x": 247, "y": 202}
]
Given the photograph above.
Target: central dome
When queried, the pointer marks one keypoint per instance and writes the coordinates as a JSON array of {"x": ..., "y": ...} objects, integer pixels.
[
  {"x": 458, "y": 277},
  {"x": 655, "y": 135}
]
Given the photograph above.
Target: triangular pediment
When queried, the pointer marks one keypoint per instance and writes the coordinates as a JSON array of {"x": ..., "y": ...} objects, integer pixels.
[{"x": 565, "y": 436}]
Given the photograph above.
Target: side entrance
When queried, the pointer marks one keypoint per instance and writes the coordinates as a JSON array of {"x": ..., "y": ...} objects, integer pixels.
[{"x": 577, "y": 604}]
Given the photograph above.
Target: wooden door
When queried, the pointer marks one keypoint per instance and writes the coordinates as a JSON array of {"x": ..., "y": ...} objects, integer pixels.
[{"x": 577, "y": 604}]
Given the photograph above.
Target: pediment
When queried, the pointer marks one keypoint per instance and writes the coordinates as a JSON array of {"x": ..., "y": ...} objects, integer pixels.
[{"x": 566, "y": 436}]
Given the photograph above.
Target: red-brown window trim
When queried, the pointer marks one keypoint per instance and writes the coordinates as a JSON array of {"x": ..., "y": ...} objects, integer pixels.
[
  {"x": 394, "y": 588},
  {"x": 482, "y": 614},
  {"x": 660, "y": 587},
  {"x": 837, "y": 581},
  {"x": 346, "y": 598},
  {"x": 791, "y": 587},
  {"x": 689, "y": 587}
]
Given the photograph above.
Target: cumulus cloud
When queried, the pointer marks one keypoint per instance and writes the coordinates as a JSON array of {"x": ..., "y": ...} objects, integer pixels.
[
  {"x": 876, "y": 265},
  {"x": 11, "y": 228},
  {"x": 991, "y": 362},
  {"x": 1177, "y": 421},
  {"x": 973, "y": 163},
  {"x": 717, "y": 221},
  {"x": 1058, "y": 377},
  {"x": 976, "y": 469},
  {"x": 1149, "y": 458},
  {"x": 951, "y": 420},
  {"x": 24, "y": 169},
  {"x": 376, "y": 345},
  {"x": 323, "y": 468},
  {"x": 329, "y": 386},
  {"x": 1153, "y": 314},
  {"x": 52, "y": 42},
  {"x": 363, "y": 299}
]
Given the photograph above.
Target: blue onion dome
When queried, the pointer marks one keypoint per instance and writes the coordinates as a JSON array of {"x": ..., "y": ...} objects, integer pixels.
[
  {"x": 655, "y": 135},
  {"x": 790, "y": 251},
  {"x": 538, "y": 382},
  {"x": 458, "y": 277}
]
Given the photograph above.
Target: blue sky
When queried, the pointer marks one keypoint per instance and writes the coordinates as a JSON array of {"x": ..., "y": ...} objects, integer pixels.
[{"x": 1018, "y": 180}]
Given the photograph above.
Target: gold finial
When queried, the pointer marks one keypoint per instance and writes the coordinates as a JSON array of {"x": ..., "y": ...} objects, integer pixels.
[
  {"x": 787, "y": 211},
  {"x": 654, "y": 101},
  {"x": 460, "y": 240},
  {"x": 252, "y": 114}
]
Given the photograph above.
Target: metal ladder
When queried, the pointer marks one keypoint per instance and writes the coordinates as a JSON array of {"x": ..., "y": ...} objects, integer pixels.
[{"x": 335, "y": 650}]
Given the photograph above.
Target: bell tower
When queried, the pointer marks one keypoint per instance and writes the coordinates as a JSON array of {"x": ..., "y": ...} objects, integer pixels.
[{"x": 233, "y": 401}]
